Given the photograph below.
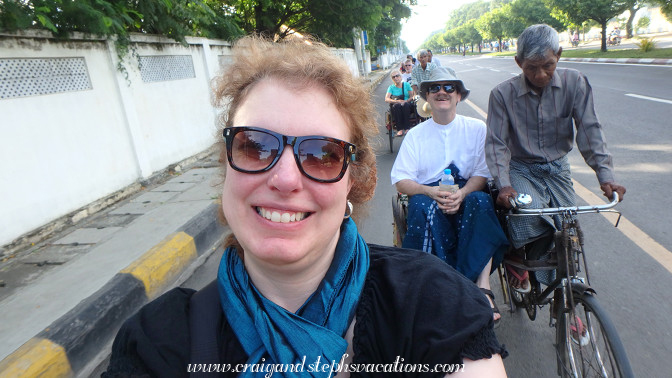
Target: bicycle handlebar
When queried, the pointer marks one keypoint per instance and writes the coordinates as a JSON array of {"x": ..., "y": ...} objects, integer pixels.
[{"x": 569, "y": 209}]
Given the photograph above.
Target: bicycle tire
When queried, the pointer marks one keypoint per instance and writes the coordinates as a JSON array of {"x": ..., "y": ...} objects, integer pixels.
[
  {"x": 603, "y": 354},
  {"x": 399, "y": 225},
  {"x": 390, "y": 130}
]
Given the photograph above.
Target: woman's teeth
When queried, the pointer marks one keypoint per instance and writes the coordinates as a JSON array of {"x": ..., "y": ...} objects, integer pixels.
[{"x": 275, "y": 216}]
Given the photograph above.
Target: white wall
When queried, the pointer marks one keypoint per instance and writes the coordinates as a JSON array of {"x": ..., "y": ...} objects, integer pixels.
[{"x": 63, "y": 150}]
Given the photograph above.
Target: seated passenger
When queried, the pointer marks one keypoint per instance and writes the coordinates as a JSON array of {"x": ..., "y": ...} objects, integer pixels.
[
  {"x": 399, "y": 97},
  {"x": 460, "y": 228},
  {"x": 406, "y": 72}
]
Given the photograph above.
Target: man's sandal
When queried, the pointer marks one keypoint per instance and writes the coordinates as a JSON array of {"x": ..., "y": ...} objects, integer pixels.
[
  {"x": 523, "y": 280},
  {"x": 495, "y": 309}
]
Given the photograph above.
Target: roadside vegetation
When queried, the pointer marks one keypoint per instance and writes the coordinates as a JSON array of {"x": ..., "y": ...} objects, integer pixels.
[
  {"x": 614, "y": 52},
  {"x": 335, "y": 23},
  {"x": 496, "y": 22}
]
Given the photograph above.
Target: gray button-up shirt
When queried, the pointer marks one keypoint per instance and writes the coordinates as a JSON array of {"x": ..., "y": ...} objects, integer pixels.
[{"x": 531, "y": 129}]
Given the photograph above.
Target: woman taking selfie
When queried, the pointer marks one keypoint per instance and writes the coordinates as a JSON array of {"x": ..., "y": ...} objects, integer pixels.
[{"x": 298, "y": 287}]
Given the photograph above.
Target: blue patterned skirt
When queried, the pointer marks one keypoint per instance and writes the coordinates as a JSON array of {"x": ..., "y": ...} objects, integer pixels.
[{"x": 465, "y": 240}]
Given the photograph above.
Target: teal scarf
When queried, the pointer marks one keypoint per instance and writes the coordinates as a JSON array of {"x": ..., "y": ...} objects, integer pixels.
[{"x": 272, "y": 335}]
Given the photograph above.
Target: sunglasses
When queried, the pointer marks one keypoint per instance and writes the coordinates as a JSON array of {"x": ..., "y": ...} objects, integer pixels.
[
  {"x": 395, "y": 76},
  {"x": 434, "y": 88},
  {"x": 256, "y": 150}
]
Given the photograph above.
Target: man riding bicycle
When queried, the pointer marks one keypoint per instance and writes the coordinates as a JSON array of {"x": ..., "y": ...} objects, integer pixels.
[{"x": 531, "y": 122}]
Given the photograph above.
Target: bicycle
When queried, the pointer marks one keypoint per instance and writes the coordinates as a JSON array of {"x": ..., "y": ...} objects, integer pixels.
[{"x": 587, "y": 342}]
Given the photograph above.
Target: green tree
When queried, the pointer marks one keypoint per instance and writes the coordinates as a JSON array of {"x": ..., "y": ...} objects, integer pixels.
[
  {"x": 388, "y": 30},
  {"x": 171, "y": 18},
  {"x": 466, "y": 12},
  {"x": 531, "y": 12},
  {"x": 450, "y": 38},
  {"x": 643, "y": 22},
  {"x": 331, "y": 21},
  {"x": 468, "y": 34},
  {"x": 498, "y": 24},
  {"x": 599, "y": 10},
  {"x": 665, "y": 7},
  {"x": 633, "y": 7}
]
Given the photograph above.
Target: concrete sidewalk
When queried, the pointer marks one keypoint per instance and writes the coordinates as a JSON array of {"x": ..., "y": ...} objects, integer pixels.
[{"x": 63, "y": 300}]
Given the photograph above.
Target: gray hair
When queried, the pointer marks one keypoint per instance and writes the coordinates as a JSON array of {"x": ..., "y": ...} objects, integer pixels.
[
  {"x": 422, "y": 52},
  {"x": 535, "y": 41}
]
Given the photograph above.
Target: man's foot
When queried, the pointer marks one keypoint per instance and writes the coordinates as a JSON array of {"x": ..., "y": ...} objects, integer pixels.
[
  {"x": 579, "y": 332},
  {"x": 519, "y": 280},
  {"x": 496, "y": 315},
  {"x": 400, "y": 132}
]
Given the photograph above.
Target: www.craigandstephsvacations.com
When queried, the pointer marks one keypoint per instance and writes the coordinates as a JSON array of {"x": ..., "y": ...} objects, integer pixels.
[{"x": 325, "y": 366}]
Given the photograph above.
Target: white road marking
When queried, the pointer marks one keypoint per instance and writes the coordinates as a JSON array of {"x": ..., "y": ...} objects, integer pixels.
[
  {"x": 649, "y": 98},
  {"x": 632, "y": 232},
  {"x": 616, "y": 64},
  {"x": 477, "y": 109}
]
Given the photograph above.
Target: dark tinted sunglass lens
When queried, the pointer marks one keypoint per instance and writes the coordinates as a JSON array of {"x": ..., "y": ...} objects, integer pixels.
[
  {"x": 449, "y": 88},
  {"x": 321, "y": 159},
  {"x": 253, "y": 150}
]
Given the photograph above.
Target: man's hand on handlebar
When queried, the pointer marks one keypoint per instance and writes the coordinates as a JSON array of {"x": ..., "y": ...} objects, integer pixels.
[
  {"x": 504, "y": 195},
  {"x": 609, "y": 187}
]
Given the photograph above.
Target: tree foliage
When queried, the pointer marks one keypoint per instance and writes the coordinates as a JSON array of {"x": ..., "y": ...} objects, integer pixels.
[
  {"x": 466, "y": 12},
  {"x": 171, "y": 18},
  {"x": 665, "y": 8},
  {"x": 331, "y": 21},
  {"x": 530, "y": 12},
  {"x": 599, "y": 10},
  {"x": 499, "y": 24}
]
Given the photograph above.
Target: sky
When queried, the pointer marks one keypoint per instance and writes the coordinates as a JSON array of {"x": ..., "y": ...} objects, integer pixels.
[{"x": 426, "y": 17}]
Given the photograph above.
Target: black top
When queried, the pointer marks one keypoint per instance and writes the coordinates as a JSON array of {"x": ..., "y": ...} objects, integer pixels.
[{"x": 413, "y": 306}]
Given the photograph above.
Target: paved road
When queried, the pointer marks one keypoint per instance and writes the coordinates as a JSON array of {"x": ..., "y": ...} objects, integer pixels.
[{"x": 630, "y": 283}]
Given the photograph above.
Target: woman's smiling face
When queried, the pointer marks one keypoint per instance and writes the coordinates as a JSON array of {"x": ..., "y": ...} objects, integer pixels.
[{"x": 281, "y": 217}]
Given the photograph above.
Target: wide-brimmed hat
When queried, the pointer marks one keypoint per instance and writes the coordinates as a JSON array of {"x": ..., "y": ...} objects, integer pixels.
[{"x": 442, "y": 75}]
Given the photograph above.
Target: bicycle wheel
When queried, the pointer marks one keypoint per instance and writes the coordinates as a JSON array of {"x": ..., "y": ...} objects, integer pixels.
[
  {"x": 587, "y": 342},
  {"x": 390, "y": 130}
]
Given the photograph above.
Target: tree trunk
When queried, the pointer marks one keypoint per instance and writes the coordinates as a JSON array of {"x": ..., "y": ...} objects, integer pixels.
[
  {"x": 628, "y": 25},
  {"x": 604, "y": 36}
]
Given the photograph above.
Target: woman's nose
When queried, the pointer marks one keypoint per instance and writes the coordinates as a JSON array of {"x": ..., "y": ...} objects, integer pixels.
[{"x": 285, "y": 175}]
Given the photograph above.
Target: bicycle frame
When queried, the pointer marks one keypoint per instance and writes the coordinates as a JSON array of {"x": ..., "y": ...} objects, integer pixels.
[
  {"x": 566, "y": 267},
  {"x": 573, "y": 299}
]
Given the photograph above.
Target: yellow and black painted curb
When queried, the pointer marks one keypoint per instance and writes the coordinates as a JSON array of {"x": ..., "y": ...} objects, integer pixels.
[{"x": 65, "y": 347}]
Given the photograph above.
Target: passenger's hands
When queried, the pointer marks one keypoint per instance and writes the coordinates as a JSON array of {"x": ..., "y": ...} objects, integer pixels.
[
  {"x": 610, "y": 187},
  {"x": 504, "y": 194},
  {"x": 448, "y": 202}
]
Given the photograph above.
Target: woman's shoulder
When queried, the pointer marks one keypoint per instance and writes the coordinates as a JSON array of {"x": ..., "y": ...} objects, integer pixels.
[
  {"x": 143, "y": 345},
  {"x": 388, "y": 263},
  {"x": 417, "y": 306}
]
